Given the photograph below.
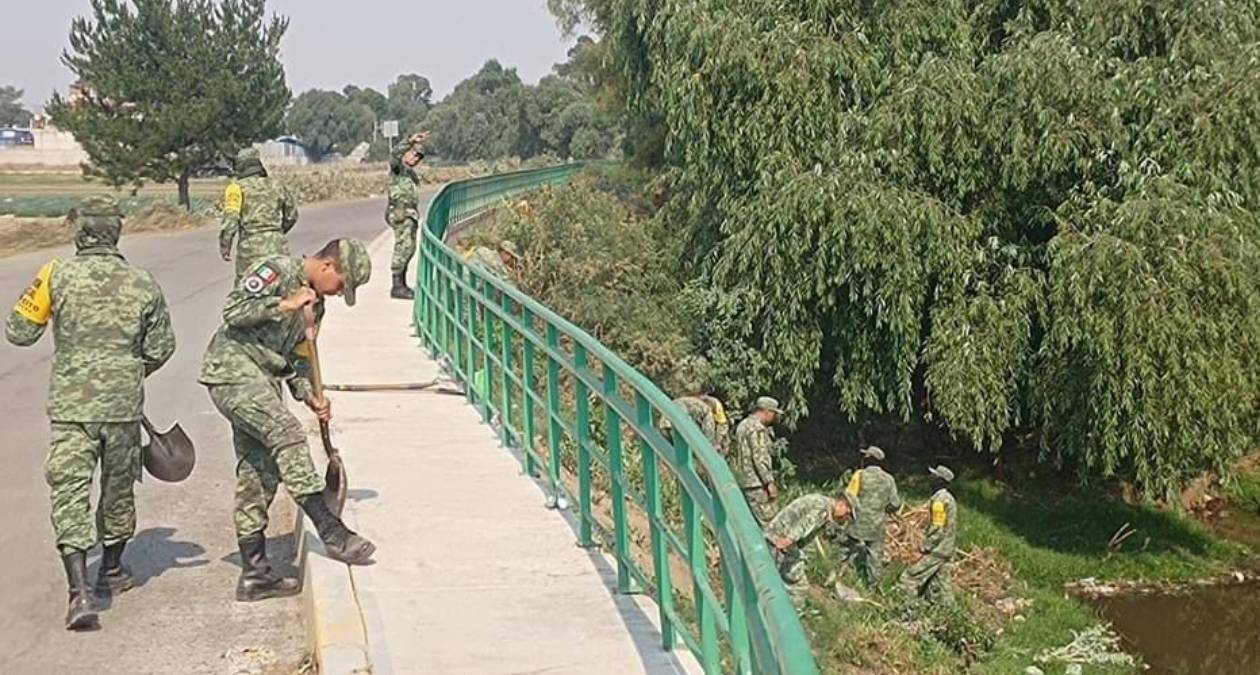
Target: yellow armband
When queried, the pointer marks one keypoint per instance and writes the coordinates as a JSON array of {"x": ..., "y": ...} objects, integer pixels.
[
  {"x": 36, "y": 302},
  {"x": 233, "y": 198},
  {"x": 855, "y": 484},
  {"x": 939, "y": 515},
  {"x": 303, "y": 349},
  {"x": 719, "y": 413}
]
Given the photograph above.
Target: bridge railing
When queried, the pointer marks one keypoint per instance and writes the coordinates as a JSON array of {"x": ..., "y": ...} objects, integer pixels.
[{"x": 589, "y": 426}]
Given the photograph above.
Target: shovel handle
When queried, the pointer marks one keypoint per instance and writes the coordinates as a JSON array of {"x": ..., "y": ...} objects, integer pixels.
[
  {"x": 148, "y": 426},
  {"x": 317, "y": 379}
]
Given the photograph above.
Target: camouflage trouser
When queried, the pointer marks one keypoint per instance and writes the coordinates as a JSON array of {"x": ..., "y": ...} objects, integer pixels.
[
  {"x": 270, "y": 448},
  {"x": 866, "y": 557},
  {"x": 75, "y": 450},
  {"x": 928, "y": 579},
  {"x": 404, "y": 243},
  {"x": 762, "y": 506},
  {"x": 250, "y": 250},
  {"x": 792, "y": 570}
]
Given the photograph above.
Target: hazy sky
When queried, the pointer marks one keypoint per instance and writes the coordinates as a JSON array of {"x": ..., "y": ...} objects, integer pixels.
[{"x": 331, "y": 42}]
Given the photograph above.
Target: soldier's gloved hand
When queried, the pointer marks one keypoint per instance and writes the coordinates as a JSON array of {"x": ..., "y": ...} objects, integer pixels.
[
  {"x": 321, "y": 406},
  {"x": 298, "y": 299},
  {"x": 772, "y": 490}
]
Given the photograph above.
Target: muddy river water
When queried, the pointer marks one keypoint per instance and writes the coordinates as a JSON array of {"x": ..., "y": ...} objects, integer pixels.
[{"x": 1205, "y": 631}]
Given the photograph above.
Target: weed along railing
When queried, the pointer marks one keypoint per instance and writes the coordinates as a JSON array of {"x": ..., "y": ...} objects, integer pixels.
[{"x": 588, "y": 426}]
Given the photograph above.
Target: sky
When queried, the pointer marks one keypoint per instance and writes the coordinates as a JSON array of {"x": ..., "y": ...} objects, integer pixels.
[{"x": 331, "y": 43}]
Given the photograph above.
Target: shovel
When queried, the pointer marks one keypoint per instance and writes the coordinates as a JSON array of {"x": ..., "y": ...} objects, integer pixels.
[
  {"x": 169, "y": 455},
  {"x": 335, "y": 474}
]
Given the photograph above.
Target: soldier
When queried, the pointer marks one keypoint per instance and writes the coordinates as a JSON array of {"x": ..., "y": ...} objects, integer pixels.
[
  {"x": 876, "y": 490},
  {"x": 402, "y": 212},
  {"x": 111, "y": 329},
  {"x": 257, "y": 211},
  {"x": 929, "y": 577},
  {"x": 795, "y": 527},
  {"x": 499, "y": 262},
  {"x": 256, "y": 349},
  {"x": 754, "y": 465},
  {"x": 709, "y": 414}
]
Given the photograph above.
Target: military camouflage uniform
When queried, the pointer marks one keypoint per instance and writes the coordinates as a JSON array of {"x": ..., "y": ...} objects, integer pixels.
[
  {"x": 402, "y": 213},
  {"x": 253, "y": 352},
  {"x": 876, "y": 491},
  {"x": 703, "y": 410},
  {"x": 258, "y": 212},
  {"x": 929, "y": 577},
  {"x": 754, "y": 466},
  {"x": 111, "y": 329},
  {"x": 489, "y": 259},
  {"x": 801, "y": 521}
]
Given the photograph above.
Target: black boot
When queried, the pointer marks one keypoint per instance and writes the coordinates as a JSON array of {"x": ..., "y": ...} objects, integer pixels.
[
  {"x": 80, "y": 615},
  {"x": 339, "y": 541},
  {"x": 258, "y": 580},
  {"x": 400, "y": 289},
  {"x": 113, "y": 575}
]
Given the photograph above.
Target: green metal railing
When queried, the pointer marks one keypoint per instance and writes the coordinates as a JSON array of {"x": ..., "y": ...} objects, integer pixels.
[{"x": 587, "y": 425}]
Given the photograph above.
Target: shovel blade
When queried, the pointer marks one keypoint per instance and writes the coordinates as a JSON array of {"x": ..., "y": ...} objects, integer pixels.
[
  {"x": 335, "y": 484},
  {"x": 169, "y": 455}
]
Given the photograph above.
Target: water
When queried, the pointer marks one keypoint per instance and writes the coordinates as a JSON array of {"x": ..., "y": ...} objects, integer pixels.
[{"x": 1212, "y": 630}]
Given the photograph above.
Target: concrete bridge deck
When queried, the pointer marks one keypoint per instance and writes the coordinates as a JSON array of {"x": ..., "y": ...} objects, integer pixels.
[{"x": 473, "y": 573}]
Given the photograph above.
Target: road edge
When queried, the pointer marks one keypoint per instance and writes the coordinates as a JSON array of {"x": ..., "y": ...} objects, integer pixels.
[{"x": 336, "y": 632}]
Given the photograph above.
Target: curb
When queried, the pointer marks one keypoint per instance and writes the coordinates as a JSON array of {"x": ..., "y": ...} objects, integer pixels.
[{"x": 336, "y": 633}]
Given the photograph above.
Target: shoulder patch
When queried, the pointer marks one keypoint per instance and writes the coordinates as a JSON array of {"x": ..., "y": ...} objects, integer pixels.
[{"x": 263, "y": 277}]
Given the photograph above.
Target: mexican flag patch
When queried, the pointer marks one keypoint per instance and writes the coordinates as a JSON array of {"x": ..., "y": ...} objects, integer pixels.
[{"x": 262, "y": 278}]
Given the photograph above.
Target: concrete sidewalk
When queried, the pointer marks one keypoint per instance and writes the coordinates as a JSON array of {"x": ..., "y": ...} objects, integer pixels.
[{"x": 473, "y": 574}]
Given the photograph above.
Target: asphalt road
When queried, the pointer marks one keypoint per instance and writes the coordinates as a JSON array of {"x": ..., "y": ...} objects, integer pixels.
[{"x": 182, "y": 617}]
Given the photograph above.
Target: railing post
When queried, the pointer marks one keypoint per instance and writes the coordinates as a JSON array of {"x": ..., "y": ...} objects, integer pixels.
[
  {"x": 531, "y": 387},
  {"x": 487, "y": 348},
  {"x": 698, "y": 559},
  {"x": 735, "y": 617},
  {"x": 505, "y": 355},
  {"x": 660, "y": 554},
  {"x": 553, "y": 411},
  {"x": 583, "y": 450},
  {"x": 616, "y": 472}
]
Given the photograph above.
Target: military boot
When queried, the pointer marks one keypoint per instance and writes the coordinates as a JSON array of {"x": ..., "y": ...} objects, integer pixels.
[
  {"x": 340, "y": 542},
  {"x": 400, "y": 290},
  {"x": 80, "y": 614},
  {"x": 258, "y": 580},
  {"x": 114, "y": 577}
]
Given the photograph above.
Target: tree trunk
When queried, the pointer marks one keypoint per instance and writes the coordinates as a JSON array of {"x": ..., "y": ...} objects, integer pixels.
[{"x": 184, "y": 199}]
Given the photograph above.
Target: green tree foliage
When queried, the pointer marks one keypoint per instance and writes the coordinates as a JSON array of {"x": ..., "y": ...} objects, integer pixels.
[
  {"x": 11, "y": 111},
  {"x": 328, "y": 121},
  {"x": 169, "y": 87},
  {"x": 601, "y": 259},
  {"x": 493, "y": 115},
  {"x": 373, "y": 99},
  {"x": 997, "y": 213}
]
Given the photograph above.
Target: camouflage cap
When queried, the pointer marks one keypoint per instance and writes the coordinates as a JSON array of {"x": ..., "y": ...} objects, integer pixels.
[
  {"x": 356, "y": 265},
  {"x": 509, "y": 246},
  {"x": 249, "y": 163},
  {"x": 874, "y": 452},
  {"x": 942, "y": 472},
  {"x": 768, "y": 403},
  {"x": 99, "y": 219}
]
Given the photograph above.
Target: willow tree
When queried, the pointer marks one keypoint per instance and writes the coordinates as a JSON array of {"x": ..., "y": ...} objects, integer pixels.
[{"x": 1037, "y": 214}]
